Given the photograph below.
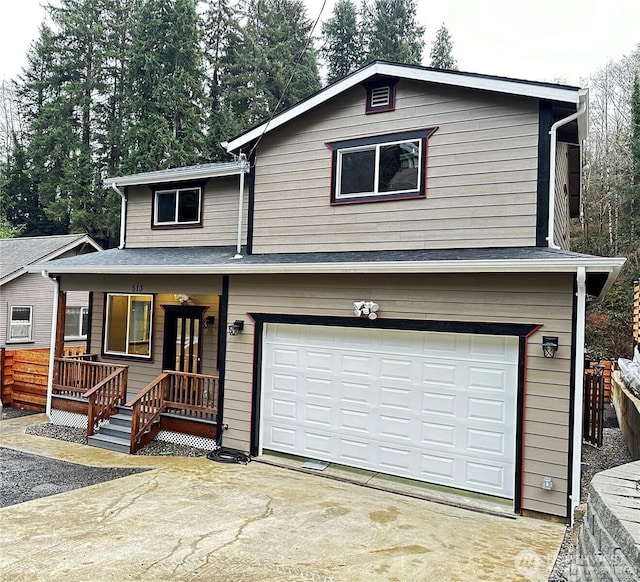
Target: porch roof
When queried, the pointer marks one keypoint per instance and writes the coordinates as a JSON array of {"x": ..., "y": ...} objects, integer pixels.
[{"x": 600, "y": 271}]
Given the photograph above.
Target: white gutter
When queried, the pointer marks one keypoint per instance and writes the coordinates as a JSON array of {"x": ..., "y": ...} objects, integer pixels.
[
  {"x": 552, "y": 167},
  {"x": 52, "y": 347},
  {"x": 578, "y": 389},
  {"x": 123, "y": 213},
  {"x": 243, "y": 168}
]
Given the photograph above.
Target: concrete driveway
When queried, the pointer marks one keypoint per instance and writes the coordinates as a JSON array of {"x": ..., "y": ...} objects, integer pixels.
[{"x": 193, "y": 519}]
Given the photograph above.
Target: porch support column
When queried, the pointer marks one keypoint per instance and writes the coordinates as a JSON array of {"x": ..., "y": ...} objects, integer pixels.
[{"x": 60, "y": 323}]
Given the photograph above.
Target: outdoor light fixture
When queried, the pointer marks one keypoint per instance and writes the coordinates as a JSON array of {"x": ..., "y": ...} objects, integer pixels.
[
  {"x": 598, "y": 370},
  {"x": 547, "y": 483},
  {"x": 366, "y": 309},
  {"x": 181, "y": 298},
  {"x": 208, "y": 321},
  {"x": 549, "y": 346},
  {"x": 236, "y": 327}
]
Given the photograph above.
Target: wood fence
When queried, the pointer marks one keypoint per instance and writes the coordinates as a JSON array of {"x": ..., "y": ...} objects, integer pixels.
[{"x": 24, "y": 375}]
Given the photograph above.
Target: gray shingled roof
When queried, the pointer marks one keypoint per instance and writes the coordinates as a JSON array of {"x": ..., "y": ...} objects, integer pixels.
[
  {"x": 220, "y": 260},
  {"x": 16, "y": 253}
]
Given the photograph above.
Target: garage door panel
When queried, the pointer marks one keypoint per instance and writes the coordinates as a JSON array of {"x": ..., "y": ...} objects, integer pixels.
[
  {"x": 488, "y": 379},
  {"x": 488, "y": 477},
  {"x": 443, "y": 404},
  {"x": 438, "y": 407},
  {"x": 483, "y": 409},
  {"x": 321, "y": 388},
  {"x": 486, "y": 442},
  {"x": 319, "y": 415},
  {"x": 354, "y": 420}
]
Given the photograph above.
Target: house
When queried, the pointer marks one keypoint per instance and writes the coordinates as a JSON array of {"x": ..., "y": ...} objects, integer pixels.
[
  {"x": 27, "y": 305},
  {"x": 382, "y": 279}
]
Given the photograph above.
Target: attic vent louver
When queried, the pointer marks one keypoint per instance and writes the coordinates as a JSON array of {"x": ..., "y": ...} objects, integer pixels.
[{"x": 380, "y": 97}]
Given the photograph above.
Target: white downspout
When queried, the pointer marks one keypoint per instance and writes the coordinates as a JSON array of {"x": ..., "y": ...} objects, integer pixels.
[
  {"x": 123, "y": 213},
  {"x": 243, "y": 165},
  {"x": 581, "y": 302},
  {"x": 552, "y": 170},
  {"x": 52, "y": 347}
]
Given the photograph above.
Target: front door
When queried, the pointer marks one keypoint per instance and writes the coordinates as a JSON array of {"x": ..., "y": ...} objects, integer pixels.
[{"x": 182, "y": 339}]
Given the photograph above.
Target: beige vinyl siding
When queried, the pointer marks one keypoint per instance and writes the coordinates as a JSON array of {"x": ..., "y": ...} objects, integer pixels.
[
  {"x": 481, "y": 175},
  {"x": 562, "y": 221},
  {"x": 219, "y": 218},
  {"x": 531, "y": 299}
]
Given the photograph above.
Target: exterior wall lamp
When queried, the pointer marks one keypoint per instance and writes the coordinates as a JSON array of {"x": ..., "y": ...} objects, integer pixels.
[
  {"x": 549, "y": 346},
  {"x": 181, "y": 298},
  {"x": 236, "y": 327},
  {"x": 366, "y": 309}
]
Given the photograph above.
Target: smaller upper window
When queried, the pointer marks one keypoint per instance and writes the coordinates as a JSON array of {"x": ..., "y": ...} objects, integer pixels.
[
  {"x": 21, "y": 323},
  {"x": 76, "y": 323},
  {"x": 381, "y": 95},
  {"x": 176, "y": 207}
]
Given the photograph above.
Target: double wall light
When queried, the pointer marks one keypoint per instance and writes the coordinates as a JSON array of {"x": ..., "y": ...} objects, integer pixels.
[
  {"x": 549, "y": 346},
  {"x": 236, "y": 327},
  {"x": 366, "y": 309}
]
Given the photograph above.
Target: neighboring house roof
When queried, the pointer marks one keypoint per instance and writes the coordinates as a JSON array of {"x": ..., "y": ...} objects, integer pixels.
[
  {"x": 197, "y": 172},
  {"x": 18, "y": 253},
  {"x": 600, "y": 271},
  {"x": 566, "y": 94}
]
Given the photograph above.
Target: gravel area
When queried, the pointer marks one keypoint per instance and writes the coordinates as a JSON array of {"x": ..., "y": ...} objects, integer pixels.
[{"x": 79, "y": 435}]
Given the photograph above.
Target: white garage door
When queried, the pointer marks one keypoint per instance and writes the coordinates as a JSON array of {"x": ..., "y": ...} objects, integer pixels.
[{"x": 431, "y": 406}]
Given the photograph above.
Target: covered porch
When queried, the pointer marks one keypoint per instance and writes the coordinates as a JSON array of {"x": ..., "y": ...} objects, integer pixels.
[{"x": 175, "y": 401}]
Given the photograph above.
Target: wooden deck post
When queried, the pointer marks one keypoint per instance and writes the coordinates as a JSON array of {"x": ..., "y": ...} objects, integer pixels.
[{"x": 60, "y": 323}]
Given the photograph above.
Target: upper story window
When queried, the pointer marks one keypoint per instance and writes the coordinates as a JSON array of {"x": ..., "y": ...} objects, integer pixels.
[
  {"x": 381, "y": 95},
  {"x": 128, "y": 325},
  {"x": 177, "y": 207},
  {"x": 381, "y": 167},
  {"x": 21, "y": 323},
  {"x": 76, "y": 323}
]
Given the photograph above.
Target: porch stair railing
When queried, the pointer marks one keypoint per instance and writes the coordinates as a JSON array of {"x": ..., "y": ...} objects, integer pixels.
[
  {"x": 104, "y": 398},
  {"x": 181, "y": 393}
]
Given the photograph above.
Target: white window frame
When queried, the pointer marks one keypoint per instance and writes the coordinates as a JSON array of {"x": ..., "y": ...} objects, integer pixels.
[
  {"x": 376, "y": 170},
  {"x": 84, "y": 312},
  {"x": 148, "y": 340},
  {"x": 176, "y": 221},
  {"x": 20, "y": 323}
]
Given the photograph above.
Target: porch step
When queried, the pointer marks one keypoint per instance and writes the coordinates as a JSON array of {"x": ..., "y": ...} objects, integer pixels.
[
  {"x": 116, "y": 434},
  {"x": 110, "y": 442}
]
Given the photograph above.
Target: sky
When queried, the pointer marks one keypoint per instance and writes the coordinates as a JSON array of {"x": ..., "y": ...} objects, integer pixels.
[{"x": 540, "y": 40}]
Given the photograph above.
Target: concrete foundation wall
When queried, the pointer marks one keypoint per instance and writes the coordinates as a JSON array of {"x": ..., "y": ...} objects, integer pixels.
[{"x": 608, "y": 548}]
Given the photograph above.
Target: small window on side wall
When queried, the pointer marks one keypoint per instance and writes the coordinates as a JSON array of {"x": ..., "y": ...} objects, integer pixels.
[
  {"x": 177, "y": 207},
  {"x": 128, "y": 325},
  {"x": 383, "y": 167},
  {"x": 76, "y": 323},
  {"x": 21, "y": 323}
]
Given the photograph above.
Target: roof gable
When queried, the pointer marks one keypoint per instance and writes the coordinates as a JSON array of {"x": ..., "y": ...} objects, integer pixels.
[
  {"x": 18, "y": 253},
  {"x": 570, "y": 95}
]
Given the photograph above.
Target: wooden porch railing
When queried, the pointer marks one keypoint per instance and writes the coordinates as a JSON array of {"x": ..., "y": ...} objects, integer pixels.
[
  {"x": 74, "y": 376},
  {"x": 105, "y": 396},
  {"x": 190, "y": 395},
  {"x": 103, "y": 385}
]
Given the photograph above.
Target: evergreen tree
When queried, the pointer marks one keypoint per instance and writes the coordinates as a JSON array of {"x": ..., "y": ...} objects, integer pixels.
[
  {"x": 270, "y": 63},
  {"x": 166, "y": 85},
  {"x": 341, "y": 47},
  {"x": 393, "y": 32},
  {"x": 218, "y": 26},
  {"x": 442, "y": 50}
]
